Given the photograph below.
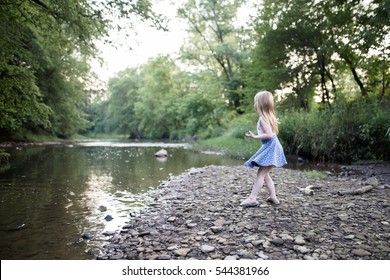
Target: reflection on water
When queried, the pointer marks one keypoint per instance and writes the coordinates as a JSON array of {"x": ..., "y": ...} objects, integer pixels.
[{"x": 51, "y": 195}]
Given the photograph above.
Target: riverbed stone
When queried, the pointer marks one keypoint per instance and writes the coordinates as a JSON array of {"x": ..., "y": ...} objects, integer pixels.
[
  {"x": 373, "y": 181},
  {"x": 161, "y": 153},
  {"x": 301, "y": 249},
  {"x": 262, "y": 256},
  {"x": 299, "y": 240},
  {"x": 216, "y": 229},
  {"x": 207, "y": 248},
  {"x": 360, "y": 252},
  {"x": 108, "y": 218},
  {"x": 197, "y": 215},
  {"x": 182, "y": 252},
  {"x": 191, "y": 225},
  {"x": 164, "y": 257},
  {"x": 277, "y": 241},
  {"x": 88, "y": 235},
  {"x": 171, "y": 219}
]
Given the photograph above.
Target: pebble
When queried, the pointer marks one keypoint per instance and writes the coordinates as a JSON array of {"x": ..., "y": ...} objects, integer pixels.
[
  {"x": 277, "y": 241},
  {"x": 262, "y": 256},
  {"x": 216, "y": 229},
  {"x": 207, "y": 248},
  {"x": 171, "y": 219},
  {"x": 191, "y": 225},
  {"x": 286, "y": 237},
  {"x": 360, "y": 252},
  {"x": 301, "y": 249},
  {"x": 197, "y": 215},
  {"x": 351, "y": 236},
  {"x": 299, "y": 240},
  {"x": 182, "y": 252},
  {"x": 108, "y": 218}
]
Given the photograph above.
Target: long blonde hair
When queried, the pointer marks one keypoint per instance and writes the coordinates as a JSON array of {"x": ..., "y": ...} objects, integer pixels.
[{"x": 264, "y": 106}]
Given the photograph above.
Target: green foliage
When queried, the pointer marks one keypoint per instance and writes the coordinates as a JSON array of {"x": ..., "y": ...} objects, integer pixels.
[
  {"x": 233, "y": 141},
  {"x": 234, "y": 147},
  {"x": 238, "y": 126},
  {"x": 350, "y": 130},
  {"x": 44, "y": 48},
  {"x": 307, "y": 46},
  {"x": 121, "y": 116},
  {"x": 4, "y": 157},
  {"x": 314, "y": 174},
  {"x": 20, "y": 99},
  {"x": 158, "y": 100},
  {"x": 217, "y": 44}
]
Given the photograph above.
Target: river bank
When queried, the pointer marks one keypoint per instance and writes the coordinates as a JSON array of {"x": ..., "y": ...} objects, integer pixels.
[{"x": 197, "y": 216}]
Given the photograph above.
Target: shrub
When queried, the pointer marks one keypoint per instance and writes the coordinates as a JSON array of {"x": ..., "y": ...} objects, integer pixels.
[
  {"x": 4, "y": 157},
  {"x": 348, "y": 131}
]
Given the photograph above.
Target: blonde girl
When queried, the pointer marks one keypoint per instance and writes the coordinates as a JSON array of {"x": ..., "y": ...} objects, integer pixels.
[{"x": 271, "y": 152}]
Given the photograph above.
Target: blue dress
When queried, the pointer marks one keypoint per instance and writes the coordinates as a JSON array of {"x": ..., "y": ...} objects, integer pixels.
[{"x": 270, "y": 154}]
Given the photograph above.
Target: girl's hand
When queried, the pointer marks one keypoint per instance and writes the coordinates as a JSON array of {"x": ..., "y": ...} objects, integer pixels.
[{"x": 249, "y": 134}]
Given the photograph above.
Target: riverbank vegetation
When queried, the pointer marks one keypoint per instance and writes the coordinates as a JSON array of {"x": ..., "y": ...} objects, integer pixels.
[
  {"x": 327, "y": 62},
  {"x": 4, "y": 157}
]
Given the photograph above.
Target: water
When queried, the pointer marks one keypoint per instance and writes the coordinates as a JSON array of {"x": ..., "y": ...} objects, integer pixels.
[{"x": 50, "y": 195}]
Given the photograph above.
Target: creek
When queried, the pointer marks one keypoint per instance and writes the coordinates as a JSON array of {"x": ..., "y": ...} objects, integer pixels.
[{"x": 52, "y": 195}]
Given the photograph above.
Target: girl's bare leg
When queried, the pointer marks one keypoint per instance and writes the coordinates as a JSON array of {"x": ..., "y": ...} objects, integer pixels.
[
  {"x": 271, "y": 189},
  {"x": 261, "y": 173}
]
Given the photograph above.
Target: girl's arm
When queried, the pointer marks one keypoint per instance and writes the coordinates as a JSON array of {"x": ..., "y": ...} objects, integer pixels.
[{"x": 264, "y": 136}]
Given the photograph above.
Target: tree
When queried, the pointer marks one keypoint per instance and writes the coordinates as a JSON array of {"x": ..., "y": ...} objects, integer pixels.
[
  {"x": 159, "y": 100},
  {"x": 216, "y": 43},
  {"x": 124, "y": 89},
  {"x": 305, "y": 45},
  {"x": 292, "y": 50},
  {"x": 21, "y": 99},
  {"x": 155, "y": 107},
  {"x": 44, "y": 47}
]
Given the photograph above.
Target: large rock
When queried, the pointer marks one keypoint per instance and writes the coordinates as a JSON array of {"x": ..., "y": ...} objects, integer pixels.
[{"x": 161, "y": 153}]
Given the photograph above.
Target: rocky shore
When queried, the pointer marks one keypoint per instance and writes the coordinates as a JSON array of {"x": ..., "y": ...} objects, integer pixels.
[{"x": 197, "y": 216}]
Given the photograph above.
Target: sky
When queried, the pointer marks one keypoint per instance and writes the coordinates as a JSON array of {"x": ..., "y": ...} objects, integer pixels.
[{"x": 149, "y": 42}]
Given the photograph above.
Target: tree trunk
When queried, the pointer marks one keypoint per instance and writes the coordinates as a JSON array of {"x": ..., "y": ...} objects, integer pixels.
[{"x": 358, "y": 81}]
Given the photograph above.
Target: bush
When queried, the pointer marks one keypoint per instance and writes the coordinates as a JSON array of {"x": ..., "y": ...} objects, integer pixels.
[
  {"x": 4, "y": 157},
  {"x": 350, "y": 130},
  {"x": 242, "y": 124}
]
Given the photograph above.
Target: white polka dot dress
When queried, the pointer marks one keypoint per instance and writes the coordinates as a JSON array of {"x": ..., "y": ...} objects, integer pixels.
[{"x": 270, "y": 154}]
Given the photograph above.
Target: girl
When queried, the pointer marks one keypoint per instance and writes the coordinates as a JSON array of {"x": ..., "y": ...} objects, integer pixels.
[{"x": 271, "y": 152}]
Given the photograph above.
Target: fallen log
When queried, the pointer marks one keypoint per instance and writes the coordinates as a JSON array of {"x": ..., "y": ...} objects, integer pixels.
[{"x": 356, "y": 191}]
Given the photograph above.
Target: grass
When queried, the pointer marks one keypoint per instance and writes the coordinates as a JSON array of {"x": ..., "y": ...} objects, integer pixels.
[
  {"x": 314, "y": 174},
  {"x": 103, "y": 136},
  {"x": 230, "y": 146},
  {"x": 23, "y": 136}
]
